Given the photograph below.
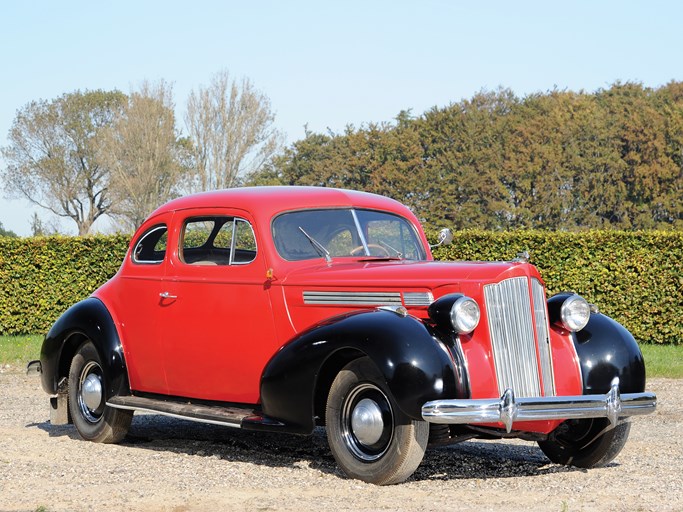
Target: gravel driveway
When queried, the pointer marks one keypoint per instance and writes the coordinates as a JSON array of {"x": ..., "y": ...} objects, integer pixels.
[{"x": 173, "y": 465}]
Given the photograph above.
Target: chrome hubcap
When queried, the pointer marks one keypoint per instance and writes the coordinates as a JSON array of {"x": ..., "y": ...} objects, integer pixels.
[
  {"x": 366, "y": 422},
  {"x": 90, "y": 394}
]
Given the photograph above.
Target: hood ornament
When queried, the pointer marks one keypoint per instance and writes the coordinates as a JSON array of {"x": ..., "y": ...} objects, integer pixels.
[{"x": 522, "y": 257}]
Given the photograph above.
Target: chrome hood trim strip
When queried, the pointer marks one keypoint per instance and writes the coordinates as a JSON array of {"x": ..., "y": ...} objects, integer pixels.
[
  {"x": 410, "y": 299},
  {"x": 354, "y": 298}
]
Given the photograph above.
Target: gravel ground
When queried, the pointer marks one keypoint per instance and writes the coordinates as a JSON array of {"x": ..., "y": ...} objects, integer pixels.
[{"x": 172, "y": 465}]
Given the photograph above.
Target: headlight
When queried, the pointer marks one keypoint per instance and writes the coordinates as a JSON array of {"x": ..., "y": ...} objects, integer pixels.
[
  {"x": 575, "y": 313},
  {"x": 465, "y": 315}
]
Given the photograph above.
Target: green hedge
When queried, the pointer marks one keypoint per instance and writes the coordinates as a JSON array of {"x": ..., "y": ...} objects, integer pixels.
[
  {"x": 635, "y": 277},
  {"x": 41, "y": 277}
]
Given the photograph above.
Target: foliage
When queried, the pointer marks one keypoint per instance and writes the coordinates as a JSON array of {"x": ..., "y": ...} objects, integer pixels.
[
  {"x": 144, "y": 152},
  {"x": 663, "y": 360},
  {"x": 52, "y": 155},
  {"x": 6, "y": 232},
  {"x": 88, "y": 154},
  {"x": 634, "y": 277},
  {"x": 41, "y": 277},
  {"x": 560, "y": 160},
  {"x": 230, "y": 126},
  {"x": 20, "y": 349}
]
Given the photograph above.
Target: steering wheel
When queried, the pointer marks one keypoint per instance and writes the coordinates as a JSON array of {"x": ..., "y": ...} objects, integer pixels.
[{"x": 358, "y": 251}]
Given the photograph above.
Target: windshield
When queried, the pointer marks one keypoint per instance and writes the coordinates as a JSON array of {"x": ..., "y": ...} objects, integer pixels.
[{"x": 338, "y": 233}]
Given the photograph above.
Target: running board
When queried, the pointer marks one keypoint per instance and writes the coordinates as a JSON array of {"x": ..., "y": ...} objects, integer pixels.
[{"x": 216, "y": 415}]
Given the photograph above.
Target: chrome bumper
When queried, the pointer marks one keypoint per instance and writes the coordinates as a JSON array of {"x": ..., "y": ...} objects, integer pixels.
[{"x": 508, "y": 409}]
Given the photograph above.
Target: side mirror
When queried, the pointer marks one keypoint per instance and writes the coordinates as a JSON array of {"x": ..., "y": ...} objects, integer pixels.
[{"x": 445, "y": 238}]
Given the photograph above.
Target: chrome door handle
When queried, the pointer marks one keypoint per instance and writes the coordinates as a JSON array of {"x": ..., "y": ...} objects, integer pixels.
[{"x": 166, "y": 295}]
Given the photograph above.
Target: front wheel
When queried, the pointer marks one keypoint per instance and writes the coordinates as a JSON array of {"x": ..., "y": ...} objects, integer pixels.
[
  {"x": 584, "y": 444},
  {"x": 370, "y": 438},
  {"x": 94, "y": 420}
]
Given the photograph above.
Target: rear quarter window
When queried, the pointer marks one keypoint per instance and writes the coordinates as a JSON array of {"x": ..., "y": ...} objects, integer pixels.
[{"x": 151, "y": 246}]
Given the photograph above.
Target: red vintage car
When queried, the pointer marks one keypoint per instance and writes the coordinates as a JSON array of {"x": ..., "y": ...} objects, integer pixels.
[{"x": 284, "y": 308}]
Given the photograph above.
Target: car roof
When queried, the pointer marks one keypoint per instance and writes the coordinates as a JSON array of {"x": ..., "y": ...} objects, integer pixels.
[{"x": 268, "y": 201}]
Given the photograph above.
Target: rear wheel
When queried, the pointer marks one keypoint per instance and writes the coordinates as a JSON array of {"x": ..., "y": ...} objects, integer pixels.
[
  {"x": 370, "y": 438},
  {"x": 94, "y": 420},
  {"x": 580, "y": 443}
]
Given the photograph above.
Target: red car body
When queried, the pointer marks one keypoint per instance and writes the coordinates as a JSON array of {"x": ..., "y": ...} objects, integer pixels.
[{"x": 243, "y": 322}]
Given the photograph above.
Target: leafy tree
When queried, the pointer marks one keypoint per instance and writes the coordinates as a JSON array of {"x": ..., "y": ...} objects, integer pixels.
[
  {"x": 145, "y": 155},
  {"x": 41, "y": 228},
  {"x": 52, "y": 155},
  {"x": 230, "y": 126},
  {"x": 7, "y": 232},
  {"x": 559, "y": 160}
]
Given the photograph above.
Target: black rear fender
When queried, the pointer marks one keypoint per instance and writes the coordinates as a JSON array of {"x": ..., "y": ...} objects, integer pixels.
[{"x": 86, "y": 320}]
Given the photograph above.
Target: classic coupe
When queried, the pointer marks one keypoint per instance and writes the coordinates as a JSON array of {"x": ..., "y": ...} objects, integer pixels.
[{"x": 286, "y": 308}]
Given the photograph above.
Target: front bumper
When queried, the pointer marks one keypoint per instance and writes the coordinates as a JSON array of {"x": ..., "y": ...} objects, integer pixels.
[{"x": 508, "y": 409}]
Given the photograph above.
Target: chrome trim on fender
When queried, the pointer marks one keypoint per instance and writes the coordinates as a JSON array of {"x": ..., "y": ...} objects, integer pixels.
[
  {"x": 509, "y": 409},
  {"x": 354, "y": 298},
  {"x": 399, "y": 310},
  {"x": 418, "y": 298}
]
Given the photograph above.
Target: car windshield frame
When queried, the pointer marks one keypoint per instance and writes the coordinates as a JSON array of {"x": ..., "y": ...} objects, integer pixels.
[{"x": 346, "y": 232}]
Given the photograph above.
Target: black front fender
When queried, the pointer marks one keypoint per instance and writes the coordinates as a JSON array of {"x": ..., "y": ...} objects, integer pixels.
[
  {"x": 607, "y": 350},
  {"x": 86, "y": 320},
  {"x": 416, "y": 365}
]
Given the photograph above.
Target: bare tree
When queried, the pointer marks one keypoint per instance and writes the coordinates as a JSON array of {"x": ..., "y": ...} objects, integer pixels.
[
  {"x": 143, "y": 151},
  {"x": 51, "y": 157},
  {"x": 230, "y": 125}
]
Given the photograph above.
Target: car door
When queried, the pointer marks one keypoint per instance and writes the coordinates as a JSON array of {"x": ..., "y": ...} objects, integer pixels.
[
  {"x": 218, "y": 327},
  {"x": 135, "y": 301}
]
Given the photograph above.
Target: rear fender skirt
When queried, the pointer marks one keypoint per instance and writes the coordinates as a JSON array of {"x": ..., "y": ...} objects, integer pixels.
[
  {"x": 416, "y": 365},
  {"x": 88, "y": 319},
  {"x": 607, "y": 350}
]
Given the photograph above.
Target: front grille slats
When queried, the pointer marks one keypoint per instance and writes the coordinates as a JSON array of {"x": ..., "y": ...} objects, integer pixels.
[
  {"x": 512, "y": 327},
  {"x": 543, "y": 333}
]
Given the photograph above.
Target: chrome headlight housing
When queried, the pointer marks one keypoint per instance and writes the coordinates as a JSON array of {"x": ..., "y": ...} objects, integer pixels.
[
  {"x": 465, "y": 315},
  {"x": 455, "y": 311},
  {"x": 575, "y": 313}
]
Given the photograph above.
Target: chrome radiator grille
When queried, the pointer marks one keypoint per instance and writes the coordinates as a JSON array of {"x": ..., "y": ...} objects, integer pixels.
[{"x": 511, "y": 326}]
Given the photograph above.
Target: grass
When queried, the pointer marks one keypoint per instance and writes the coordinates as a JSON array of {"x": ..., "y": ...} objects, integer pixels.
[
  {"x": 660, "y": 360},
  {"x": 663, "y": 360},
  {"x": 19, "y": 350}
]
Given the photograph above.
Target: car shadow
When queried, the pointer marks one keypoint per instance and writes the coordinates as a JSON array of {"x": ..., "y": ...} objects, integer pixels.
[{"x": 464, "y": 461}]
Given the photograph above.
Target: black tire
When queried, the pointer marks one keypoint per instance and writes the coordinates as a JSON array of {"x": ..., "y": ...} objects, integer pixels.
[
  {"x": 370, "y": 438},
  {"x": 93, "y": 419},
  {"x": 579, "y": 443}
]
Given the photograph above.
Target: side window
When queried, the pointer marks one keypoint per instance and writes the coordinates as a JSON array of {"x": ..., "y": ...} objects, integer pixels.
[
  {"x": 197, "y": 233},
  {"x": 151, "y": 247},
  {"x": 217, "y": 241},
  {"x": 244, "y": 246}
]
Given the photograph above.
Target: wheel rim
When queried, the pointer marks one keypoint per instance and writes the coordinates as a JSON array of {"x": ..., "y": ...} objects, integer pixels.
[
  {"x": 90, "y": 395},
  {"x": 367, "y": 422},
  {"x": 578, "y": 433}
]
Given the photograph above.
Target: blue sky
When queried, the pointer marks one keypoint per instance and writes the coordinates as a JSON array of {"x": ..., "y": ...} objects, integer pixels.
[{"x": 329, "y": 64}]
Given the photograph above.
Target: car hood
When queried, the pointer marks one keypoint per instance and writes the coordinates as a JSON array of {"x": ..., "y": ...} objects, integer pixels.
[{"x": 404, "y": 274}]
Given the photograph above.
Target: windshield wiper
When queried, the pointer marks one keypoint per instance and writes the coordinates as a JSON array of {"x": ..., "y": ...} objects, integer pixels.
[
  {"x": 317, "y": 246},
  {"x": 399, "y": 254}
]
